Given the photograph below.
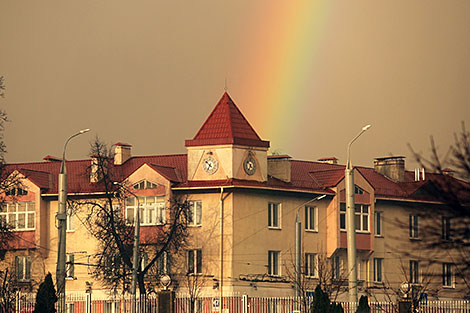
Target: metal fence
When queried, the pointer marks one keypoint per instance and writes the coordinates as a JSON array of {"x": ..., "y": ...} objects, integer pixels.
[{"x": 237, "y": 304}]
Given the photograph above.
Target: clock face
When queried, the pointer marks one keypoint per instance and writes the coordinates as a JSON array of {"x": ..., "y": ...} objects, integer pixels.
[
  {"x": 249, "y": 165},
  {"x": 210, "y": 165}
]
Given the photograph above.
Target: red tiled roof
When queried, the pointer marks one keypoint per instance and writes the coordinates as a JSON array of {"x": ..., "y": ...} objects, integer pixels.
[
  {"x": 226, "y": 125},
  {"x": 306, "y": 176}
]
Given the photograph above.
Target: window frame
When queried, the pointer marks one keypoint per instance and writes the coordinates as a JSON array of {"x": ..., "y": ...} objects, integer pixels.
[
  {"x": 6, "y": 213},
  {"x": 154, "y": 211},
  {"x": 311, "y": 260},
  {"x": 195, "y": 213},
  {"x": 194, "y": 261},
  {"x": 274, "y": 264},
  {"x": 446, "y": 228},
  {"x": 379, "y": 223},
  {"x": 23, "y": 275},
  {"x": 415, "y": 277},
  {"x": 342, "y": 216},
  {"x": 448, "y": 276},
  {"x": 413, "y": 226},
  {"x": 273, "y": 222},
  {"x": 336, "y": 267},
  {"x": 378, "y": 270},
  {"x": 362, "y": 215},
  {"x": 70, "y": 220},
  {"x": 309, "y": 209}
]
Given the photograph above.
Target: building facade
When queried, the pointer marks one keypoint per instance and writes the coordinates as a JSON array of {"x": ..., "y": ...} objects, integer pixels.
[{"x": 243, "y": 208}]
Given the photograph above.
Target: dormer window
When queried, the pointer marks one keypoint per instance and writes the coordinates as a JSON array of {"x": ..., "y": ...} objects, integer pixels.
[
  {"x": 358, "y": 190},
  {"x": 145, "y": 185},
  {"x": 16, "y": 192}
]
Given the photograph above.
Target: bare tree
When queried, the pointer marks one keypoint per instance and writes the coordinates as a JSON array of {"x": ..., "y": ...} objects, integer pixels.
[
  {"x": 115, "y": 236},
  {"x": 447, "y": 228}
]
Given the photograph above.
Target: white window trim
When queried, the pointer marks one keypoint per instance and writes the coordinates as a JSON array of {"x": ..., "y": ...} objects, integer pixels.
[
  {"x": 308, "y": 209},
  {"x": 6, "y": 215},
  {"x": 195, "y": 210},
  {"x": 279, "y": 214},
  {"x": 375, "y": 277},
  {"x": 158, "y": 207},
  {"x": 361, "y": 215}
]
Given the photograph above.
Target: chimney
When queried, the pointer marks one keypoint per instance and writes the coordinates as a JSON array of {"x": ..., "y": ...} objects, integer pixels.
[
  {"x": 50, "y": 158},
  {"x": 419, "y": 174},
  {"x": 279, "y": 167},
  {"x": 392, "y": 167},
  {"x": 122, "y": 153},
  {"x": 330, "y": 160},
  {"x": 448, "y": 171}
]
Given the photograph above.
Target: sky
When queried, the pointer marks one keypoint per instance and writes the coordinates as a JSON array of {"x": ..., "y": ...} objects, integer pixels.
[{"x": 307, "y": 75}]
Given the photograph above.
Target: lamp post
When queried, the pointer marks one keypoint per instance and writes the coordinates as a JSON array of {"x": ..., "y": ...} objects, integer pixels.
[
  {"x": 62, "y": 225},
  {"x": 350, "y": 222},
  {"x": 298, "y": 244},
  {"x": 135, "y": 252}
]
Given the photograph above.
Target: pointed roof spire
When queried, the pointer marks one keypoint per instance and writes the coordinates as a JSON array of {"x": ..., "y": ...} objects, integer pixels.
[{"x": 226, "y": 125}]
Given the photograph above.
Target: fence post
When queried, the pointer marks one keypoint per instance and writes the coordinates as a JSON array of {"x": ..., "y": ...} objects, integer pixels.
[
  {"x": 245, "y": 304},
  {"x": 88, "y": 302}
]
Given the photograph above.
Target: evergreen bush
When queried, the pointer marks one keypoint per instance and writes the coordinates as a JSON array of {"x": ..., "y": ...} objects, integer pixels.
[
  {"x": 363, "y": 305},
  {"x": 46, "y": 296}
]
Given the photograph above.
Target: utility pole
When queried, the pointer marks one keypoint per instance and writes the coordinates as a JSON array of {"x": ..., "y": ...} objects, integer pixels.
[
  {"x": 350, "y": 222},
  {"x": 62, "y": 227}
]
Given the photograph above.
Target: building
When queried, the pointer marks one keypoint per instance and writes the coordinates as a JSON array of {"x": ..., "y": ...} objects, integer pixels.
[{"x": 243, "y": 206}]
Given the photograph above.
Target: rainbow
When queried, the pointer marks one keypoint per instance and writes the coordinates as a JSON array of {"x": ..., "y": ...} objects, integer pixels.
[{"x": 281, "y": 62}]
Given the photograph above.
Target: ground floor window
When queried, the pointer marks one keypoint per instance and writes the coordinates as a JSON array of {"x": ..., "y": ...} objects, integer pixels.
[
  {"x": 273, "y": 263},
  {"x": 378, "y": 270}
]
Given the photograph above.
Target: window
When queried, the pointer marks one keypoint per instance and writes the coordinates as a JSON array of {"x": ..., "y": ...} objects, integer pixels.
[
  {"x": 195, "y": 213},
  {"x": 378, "y": 270},
  {"x": 358, "y": 190},
  {"x": 311, "y": 218},
  {"x": 342, "y": 216},
  {"x": 335, "y": 267},
  {"x": 195, "y": 261},
  {"x": 310, "y": 265},
  {"x": 19, "y": 215},
  {"x": 163, "y": 264},
  {"x": 445, "y": 228},
  {"x": 16, "y": 192},
  {"x": 362, "y": 217},
  {"x": 273, "y": 263},
  {"x": 414, "y": 272},
  {"x": 378, "y": 223},
  {"x": 414, "y": 233},
  {"x": 70, "y": 266},
  {"x": 274, "y": 215},
  {"x": 152, "y": 210},
  {"x": 23, "y": 268},
  {"x": 447, "y": 275},
  {"x": 145, "y": 185},
  {"x": 70, "y": 219}
]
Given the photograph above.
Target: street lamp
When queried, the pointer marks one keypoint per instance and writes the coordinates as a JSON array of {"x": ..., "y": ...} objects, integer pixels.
[
  {"x": 62, "y": 225},
  {"x": 298, "y": 244},
  {"x": 350, "y": 222},
  {"x": 135, "y": 255}
]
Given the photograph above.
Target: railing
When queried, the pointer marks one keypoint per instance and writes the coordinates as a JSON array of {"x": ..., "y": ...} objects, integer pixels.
[{"x": 82, "y": 303}]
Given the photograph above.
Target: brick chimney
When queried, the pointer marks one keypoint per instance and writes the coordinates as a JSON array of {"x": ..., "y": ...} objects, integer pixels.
[
  {"x": 122, "y": 153},
  {"x": 279, "y": 167},
  {"x": 393, "y": 167}
]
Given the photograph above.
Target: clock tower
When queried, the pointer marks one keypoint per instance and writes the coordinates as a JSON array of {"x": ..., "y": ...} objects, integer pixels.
[{"x": 227, "y": 147}]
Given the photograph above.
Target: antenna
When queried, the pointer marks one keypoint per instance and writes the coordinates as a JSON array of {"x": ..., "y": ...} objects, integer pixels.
[{"x": 225, "y": 86}]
